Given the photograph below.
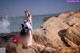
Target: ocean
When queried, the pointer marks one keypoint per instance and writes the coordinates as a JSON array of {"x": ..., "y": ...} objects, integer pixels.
[{"x": 13, "y": 24}]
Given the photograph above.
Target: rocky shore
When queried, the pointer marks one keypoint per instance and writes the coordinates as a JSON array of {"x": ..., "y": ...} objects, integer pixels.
[{"x": 57, "y": 34}]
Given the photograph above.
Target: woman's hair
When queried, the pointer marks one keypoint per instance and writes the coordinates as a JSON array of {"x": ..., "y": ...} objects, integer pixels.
[
  {"x": 22, "y": 32},
  {"x": 27, "y": 12}
]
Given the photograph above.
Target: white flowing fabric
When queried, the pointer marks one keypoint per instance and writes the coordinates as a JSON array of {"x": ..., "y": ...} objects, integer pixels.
[{"x": 29, "y": 26}]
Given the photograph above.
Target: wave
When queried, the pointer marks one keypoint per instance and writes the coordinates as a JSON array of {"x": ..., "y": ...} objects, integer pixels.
[{"x": 4, "y": 25}]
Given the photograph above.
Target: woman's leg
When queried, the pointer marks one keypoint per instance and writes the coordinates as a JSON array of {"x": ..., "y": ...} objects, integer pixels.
[{"x": 29, "y": 38}]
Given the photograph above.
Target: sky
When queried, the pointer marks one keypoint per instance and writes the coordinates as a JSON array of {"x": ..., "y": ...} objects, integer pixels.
[{"x": 36, "y": 7}]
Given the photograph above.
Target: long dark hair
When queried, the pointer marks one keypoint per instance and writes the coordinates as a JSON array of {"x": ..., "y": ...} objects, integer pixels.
[{"x": 22, "y": 32}]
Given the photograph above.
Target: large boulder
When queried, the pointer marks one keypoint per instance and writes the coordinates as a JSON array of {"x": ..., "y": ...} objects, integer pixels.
[
  {"x": 52, "y": 27},
  {"x": 40, "y": 37},
  {"x": 63, "y": 28},
  {"x": 72, "y": 34}
]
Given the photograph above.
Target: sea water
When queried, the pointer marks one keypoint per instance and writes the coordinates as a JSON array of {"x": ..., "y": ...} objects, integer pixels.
[{"x": 13, "y": 24}]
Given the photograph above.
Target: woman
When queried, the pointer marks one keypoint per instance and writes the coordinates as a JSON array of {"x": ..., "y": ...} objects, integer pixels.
[
  {"x": 27, "y": 39},
  {"x": 28, "y": 20}
]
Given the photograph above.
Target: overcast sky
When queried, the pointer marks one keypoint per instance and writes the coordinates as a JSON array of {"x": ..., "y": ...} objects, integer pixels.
[{"x": 36, "y": 7}]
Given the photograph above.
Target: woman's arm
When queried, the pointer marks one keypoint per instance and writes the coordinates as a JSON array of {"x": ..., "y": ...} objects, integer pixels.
[{"x": 30, "y": 19}]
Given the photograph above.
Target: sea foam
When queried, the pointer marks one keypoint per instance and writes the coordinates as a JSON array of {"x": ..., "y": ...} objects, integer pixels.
[{"x": 4, "y": 25}]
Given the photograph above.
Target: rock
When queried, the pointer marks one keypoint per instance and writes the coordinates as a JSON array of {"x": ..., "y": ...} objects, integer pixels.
[
  {"x": 37, "y": 48},
  {"x": 65, "y": 15},
  {"x": 40, "y": 37},
  {"x": 52, "y": 27},
  {"x": 73, "y": 35},
  {"x": 28, "y": 51},
  {"x": 46, "y": 18},
  {"x": 49, "y": 50},
  {"x": 7, "y": 36},
  {"x": 68, "y": 50},
  {"x": 11, "y": 48},
  {"x": 4, "y": 44},
  {"x": 73, "y": 20},
  {"x": 2, "y": 40},
  {"x": 56, "y": 26}
]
